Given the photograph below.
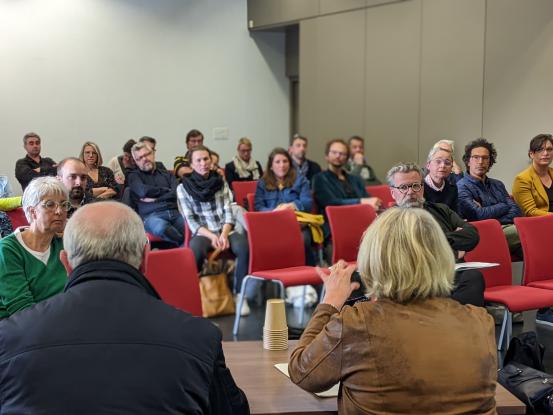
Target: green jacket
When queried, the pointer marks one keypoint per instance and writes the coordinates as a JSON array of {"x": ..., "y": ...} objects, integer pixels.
[{"x": 25, "y": 280}]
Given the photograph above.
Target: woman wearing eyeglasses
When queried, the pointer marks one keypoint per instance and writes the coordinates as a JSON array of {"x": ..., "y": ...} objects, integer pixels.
[
  {"x": 30, "y": 269},
  {"x": 437, "y": 186},
  {"x": 533, "y": 187}
]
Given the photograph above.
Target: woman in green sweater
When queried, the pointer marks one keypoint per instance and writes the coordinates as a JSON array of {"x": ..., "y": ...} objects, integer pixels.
[{"x": 30, "y": 269}]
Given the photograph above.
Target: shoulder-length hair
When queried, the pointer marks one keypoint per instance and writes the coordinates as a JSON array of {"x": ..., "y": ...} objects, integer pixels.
[
  {"x": 99, "y": 160},
  {"x": 404, "y": 256},
  {"x": 271, "y": 182}
]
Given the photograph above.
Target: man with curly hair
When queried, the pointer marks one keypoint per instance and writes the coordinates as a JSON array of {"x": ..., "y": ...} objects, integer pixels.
[{"x": 481, "y": 197}]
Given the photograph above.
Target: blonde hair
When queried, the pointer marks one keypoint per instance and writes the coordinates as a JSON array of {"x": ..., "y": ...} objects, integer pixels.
[
  {"x": 404, "y": 256},
  {"x": 99, "y": 160},
  {"x": 244, "y": 140}
]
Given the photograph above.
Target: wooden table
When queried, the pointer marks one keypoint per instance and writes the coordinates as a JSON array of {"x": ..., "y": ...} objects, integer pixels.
[{"x": 271, "y": 392}]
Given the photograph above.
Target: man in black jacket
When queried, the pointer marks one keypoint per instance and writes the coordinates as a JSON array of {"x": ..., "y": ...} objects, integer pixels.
[
  {"x": 153, "y": 192},
  {"x": 33, "y": 165},
  {"x": 298, "y": 152},
  {"x": 407, "y": 187},
  {"x": 108, "y": 344}
]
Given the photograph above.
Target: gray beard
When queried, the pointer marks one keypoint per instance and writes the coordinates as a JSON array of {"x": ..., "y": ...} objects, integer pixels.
[{"x": 418, "y": 203}]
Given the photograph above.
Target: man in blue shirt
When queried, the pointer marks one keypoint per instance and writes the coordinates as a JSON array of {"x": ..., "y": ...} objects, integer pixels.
[{"x": 481, "y": 197}]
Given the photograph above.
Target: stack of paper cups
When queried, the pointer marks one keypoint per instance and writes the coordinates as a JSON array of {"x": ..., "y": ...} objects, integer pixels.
[{"x": 275, "y": 331}]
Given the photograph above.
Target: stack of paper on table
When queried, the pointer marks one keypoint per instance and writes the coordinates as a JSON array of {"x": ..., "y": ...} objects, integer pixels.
[{"x": 331, "y": 393}]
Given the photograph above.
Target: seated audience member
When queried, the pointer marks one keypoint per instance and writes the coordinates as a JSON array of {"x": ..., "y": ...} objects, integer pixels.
[
  {"x": 5, "y": 193},
  {"x": 73, "y": 174},
  {"x": 153, "y": 192},
  {"x": 335, "y": 186},
  {"x": 108, "y": 342},
  {"x": 120, "y": 165},
  {"x": 357, "y": 164},
  {"x": 406, "y": 184},
  {"x": 533, "y": 187},
  {"x": 181, "y": 166},
  {"x": 101, "y": 183},
  {"x": 481, "y": 197},
  {"x": 437, "y": 187},
  {"x": 298, "y": 151},
  {"x": 152, "y": 142},
  {"x": 215, "y": 163},
  {"x": 33, "y": 165},
  {"x": 243, "y": 167},
  {"x": 6, "y": 204},
  {"x": 281, "y": 187},
  {"x": 30, "y": 267},
  {"x": 383, "y": 351},
  {"x": 5, "y": 187},
  {"x": 205, "y": 201},
  {"x": 456, "y": 171}
]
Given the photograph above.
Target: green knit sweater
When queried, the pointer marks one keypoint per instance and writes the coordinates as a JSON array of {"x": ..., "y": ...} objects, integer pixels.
[{"x": 25, "y": 280}]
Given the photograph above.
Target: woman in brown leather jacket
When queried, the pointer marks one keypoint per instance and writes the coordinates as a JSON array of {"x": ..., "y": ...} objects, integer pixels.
[{"x": 411, "y": 349}]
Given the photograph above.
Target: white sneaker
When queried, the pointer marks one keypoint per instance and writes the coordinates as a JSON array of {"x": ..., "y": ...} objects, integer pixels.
[{"x": 245, "y": 306}]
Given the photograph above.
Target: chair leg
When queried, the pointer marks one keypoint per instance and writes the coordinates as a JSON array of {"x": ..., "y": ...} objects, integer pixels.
[
  {"x": 303, "y": 304},
  {"x": 506, "y": 330},
  {"x": 239, "y": 305},
  {"x": 281, "y": 288}
]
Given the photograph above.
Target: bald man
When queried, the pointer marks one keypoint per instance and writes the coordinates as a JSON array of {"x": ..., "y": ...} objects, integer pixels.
[{"x": 108, "y": 344}]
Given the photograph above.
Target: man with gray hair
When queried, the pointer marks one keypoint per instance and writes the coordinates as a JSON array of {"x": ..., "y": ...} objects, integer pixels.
[
  {"x": 406, "y": 185},
  {"x": 108, "y": 343}
]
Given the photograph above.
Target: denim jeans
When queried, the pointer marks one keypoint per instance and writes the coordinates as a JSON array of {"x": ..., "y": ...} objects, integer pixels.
[
  {"x": 167, "y": 225},
  {"x": 201, "y": 246}
]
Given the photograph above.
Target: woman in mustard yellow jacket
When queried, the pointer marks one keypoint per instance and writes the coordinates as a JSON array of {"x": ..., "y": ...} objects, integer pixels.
[{"x": 533, "y": 187}]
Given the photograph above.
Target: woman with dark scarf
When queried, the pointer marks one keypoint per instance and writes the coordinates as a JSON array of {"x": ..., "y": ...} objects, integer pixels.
[{"x": 205, "y": 201}]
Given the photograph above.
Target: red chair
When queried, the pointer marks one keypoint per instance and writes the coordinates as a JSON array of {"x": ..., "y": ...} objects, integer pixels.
[
  {"x": 241, "y": 189},
  {"x": 173, "y": 274},
  {"x": 251, "y": 201},
  {"x": 17, "y": 217},
  {"x": 347, "y": 225},
  {"x": 499, "y": 286},
  {"x": 276, "y": 253},
  {"x": 382, "y": 191},
  {"x": 536, "y": 237}
]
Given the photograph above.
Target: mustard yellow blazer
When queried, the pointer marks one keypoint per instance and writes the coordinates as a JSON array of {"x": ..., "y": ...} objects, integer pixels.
[{"x": 529, "y": 193}]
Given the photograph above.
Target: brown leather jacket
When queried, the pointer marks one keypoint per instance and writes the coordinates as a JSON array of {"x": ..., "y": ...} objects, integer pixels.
[{"x": 431, "y": 357}]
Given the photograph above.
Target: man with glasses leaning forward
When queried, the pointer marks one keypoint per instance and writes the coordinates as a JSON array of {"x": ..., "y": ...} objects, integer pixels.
[
  {"x": 406, "y": 185},
  {"x": 481, "y": 197}
]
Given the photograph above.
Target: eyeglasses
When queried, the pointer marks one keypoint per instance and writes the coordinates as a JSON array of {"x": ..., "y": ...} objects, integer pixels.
[
  {"x": 338, "y": 153},
  {"x": 52, "y": 206},
  {"x": 546, "y": 149},
  {"x": 404, "y": 188},
  {"x": 143, "y": 156},
  {"x": 480, "y": 158},
  {"x": 445, "y": 162}
]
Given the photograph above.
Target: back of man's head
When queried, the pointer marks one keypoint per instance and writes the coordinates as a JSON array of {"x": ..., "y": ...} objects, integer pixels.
[{"x": 104, "y": 231}]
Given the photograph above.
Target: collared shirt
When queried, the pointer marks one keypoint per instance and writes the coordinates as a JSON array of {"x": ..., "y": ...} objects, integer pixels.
[
  {"x": 302, "y": 169},
  {"x": 25, "y": 169},
  {"x": 428, "y": 180},
  {"x": 487, "y": 199},
  {"x": 211, "y": 215}
]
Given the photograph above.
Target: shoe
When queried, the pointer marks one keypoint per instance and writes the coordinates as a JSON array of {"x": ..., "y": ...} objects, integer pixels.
[
  {"x": 545, "y": 317},
  {"x": 245, "y": 306}
]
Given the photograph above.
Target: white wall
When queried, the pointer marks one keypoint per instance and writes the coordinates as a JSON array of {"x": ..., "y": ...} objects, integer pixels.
[{"x": 107, "y": 71}]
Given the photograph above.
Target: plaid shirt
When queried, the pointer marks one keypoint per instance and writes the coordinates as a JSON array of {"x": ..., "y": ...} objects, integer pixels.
[{"x": 211, "y": 215}]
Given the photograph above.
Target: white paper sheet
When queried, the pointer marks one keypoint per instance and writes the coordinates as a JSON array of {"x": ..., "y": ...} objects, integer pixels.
[
  {"x": 473, "y": 265},
  {"x": 331, "y": 393}
]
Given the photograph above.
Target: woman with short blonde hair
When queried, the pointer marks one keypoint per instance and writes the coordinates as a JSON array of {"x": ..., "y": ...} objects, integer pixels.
[
  {"x": 102, "y": 183},
  {"x": 409, "y": 349},
  {"x": 243, "y": 167}
]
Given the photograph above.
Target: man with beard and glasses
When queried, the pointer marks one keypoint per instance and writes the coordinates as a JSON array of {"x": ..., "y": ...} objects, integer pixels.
[
  {"x": 406, "y": 185},
  {"x": 153, "y": 192},
  {"x": 73, "y": 173}
]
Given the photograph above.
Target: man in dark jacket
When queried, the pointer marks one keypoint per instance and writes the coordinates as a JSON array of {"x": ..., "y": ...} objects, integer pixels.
[
  {"x": 108, "y": 344},
  {"x": 298, "y": 152},
  {"x": 153, "y": 192},
  {"x": 406, "y": 184},
  {"x": 33, "y": 165}
]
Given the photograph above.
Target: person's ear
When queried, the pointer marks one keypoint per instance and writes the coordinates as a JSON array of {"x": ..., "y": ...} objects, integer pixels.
[
  {"x": 65, "y": 262},
  {"x": 146, "y": 251}
]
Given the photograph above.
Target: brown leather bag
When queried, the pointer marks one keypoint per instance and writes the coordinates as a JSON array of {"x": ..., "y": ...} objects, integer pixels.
[{"x": 216, "y": 296}]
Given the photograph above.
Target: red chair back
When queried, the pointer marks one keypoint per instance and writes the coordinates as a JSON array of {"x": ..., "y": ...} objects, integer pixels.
[
  {"x": 251, "y": 201},
  {"x": 347, "y": 225},
  {"x": 492, "y": 247},
  {"x": 536, "y": 237},
  {"x": 173, "y": 274},
  {"x": 382, "y": 191},
  {"x": 241, "y": 189},
  {"x": 275, "y": 240},
  {"x": 17, "y": 217}
]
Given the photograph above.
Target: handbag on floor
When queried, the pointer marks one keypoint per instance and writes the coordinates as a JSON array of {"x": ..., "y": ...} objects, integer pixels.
[{"x": 216, "y": 296}]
